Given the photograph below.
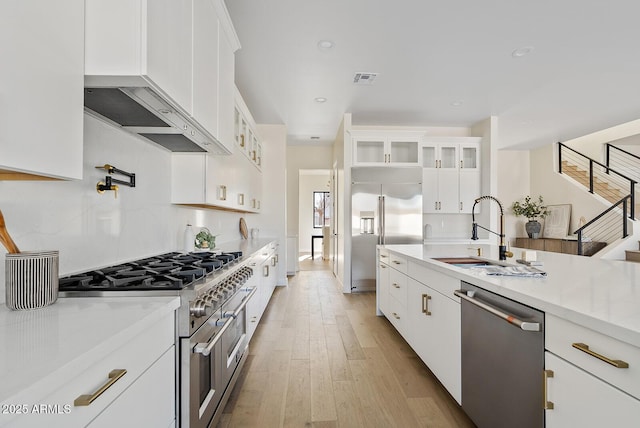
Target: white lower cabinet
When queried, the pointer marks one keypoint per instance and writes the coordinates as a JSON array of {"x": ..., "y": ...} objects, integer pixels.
[
  {"x": 592, "y": 380},
  {"x": 434, "y": 333},
  {"x": 148, "y": 402},
  {"x": 416, "y": 301},
  {"x": 580, "y": 399},
  {"x": 144, "y": 396}
]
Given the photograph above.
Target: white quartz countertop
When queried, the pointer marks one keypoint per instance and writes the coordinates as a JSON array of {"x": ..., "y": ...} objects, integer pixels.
[
  {"x": 603, "y": 295},
  {"x": 57, "y": 342}
]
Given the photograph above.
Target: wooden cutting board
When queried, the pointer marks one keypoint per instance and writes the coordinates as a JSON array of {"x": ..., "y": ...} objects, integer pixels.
[{"x": 243, "y": 228}]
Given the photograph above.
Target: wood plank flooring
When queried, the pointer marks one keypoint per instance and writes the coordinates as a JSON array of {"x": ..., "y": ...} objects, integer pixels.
[{"x": 321, "y": 358}]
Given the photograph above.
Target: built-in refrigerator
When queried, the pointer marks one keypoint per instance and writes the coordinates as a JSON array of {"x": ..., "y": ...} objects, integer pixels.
[{"x": 386, "y": 208}]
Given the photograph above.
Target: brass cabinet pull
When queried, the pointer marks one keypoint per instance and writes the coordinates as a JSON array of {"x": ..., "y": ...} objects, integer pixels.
[
  {"x": 548, "y": 405},
  {"x": 85, "y": 400},
  {"x": 397, "y": 262},
  {"x": 619, "y": 364},
  {"x": 273, "y": 261},
  {"x": 382, "y": 266},
  {"x": 383, "y": 256},
  {"x": 395, "y": 315},
  {"x": 265, "y": 270},
  {"x": 425, "y": 304},
  {"x": 395, "y": 285}
]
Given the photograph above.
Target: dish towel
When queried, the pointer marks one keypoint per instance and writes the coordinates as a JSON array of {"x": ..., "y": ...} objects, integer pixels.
[{"x": 526, "y": 271}]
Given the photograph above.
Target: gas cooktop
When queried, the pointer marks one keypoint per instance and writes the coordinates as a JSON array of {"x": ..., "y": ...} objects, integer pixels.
[{"x": 170, "y": 271}]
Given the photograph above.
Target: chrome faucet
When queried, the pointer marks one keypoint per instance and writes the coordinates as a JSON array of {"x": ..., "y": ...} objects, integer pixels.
[{"x": 503, "y": 253}]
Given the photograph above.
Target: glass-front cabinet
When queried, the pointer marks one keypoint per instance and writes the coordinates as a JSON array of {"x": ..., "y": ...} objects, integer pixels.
[
  {"x": 450, "y": 174},
  {"x": 385, "y": 148}
]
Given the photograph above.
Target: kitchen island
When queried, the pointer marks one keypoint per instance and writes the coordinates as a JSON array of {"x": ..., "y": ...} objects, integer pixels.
[
  {"x": 603, "y": 295},
  {"x": 591, "y": 331}
]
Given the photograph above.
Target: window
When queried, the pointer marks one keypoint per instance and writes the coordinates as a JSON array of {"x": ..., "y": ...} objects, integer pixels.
[{"x": 321, "y": 209}]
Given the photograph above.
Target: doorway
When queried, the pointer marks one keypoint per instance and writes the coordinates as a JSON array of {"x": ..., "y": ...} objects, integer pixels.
[{"x": 314, "y": 219}]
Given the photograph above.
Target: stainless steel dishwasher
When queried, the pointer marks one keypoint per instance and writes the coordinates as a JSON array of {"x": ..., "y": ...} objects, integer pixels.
[{"x": 502, "y": 360}]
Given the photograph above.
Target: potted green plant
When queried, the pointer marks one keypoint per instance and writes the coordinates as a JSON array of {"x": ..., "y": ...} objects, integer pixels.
[
  {"x": 532, "y": 210},
  {"x": 205, "y": 240}
]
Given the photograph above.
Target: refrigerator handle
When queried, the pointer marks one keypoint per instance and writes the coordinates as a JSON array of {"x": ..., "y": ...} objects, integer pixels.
[{"x": 382, "y": 220}]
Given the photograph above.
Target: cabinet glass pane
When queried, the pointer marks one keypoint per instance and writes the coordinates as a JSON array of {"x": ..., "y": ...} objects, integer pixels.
[
  {"x": 428, "y": 157},
  {"x": 448, "y": 157},
  {"x": 469, "y": 158},
  {"x": 243, "y": 134},
  {"x": 370, "y": 151},
  {"x": 404, "y": 151}
]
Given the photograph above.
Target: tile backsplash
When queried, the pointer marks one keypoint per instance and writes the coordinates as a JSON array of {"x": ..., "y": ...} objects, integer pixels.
[{"x": 92, "y": 230}]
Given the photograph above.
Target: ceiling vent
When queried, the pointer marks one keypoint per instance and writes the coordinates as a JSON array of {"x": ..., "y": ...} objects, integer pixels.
[{"x": 364, "y": 78}]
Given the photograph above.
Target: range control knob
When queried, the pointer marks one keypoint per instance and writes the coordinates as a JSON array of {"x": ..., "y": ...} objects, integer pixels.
[{"x": 199, "y": 308}]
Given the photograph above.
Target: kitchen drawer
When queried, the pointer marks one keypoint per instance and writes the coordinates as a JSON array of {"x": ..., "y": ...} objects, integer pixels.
[
  {"x": 397, "y": 315},
  {"x": 398, "y": 262},
  {"x": 383, "y": 255},
  {"x": 560, "y": 335},
  {"x": 436, "y": 280},
  {"x": 135, "y": 356},
  {"x": 398, "y": 286}
]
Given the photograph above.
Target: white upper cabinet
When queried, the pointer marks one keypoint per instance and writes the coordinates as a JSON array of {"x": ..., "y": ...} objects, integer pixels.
[
  {"x": 450, "y": 174},
  {"x": 245, "y": 137},
  {"x": 379, "y": 148},
  {"x": 41, "y": 89},
  {"x": 182, "y": 50}
]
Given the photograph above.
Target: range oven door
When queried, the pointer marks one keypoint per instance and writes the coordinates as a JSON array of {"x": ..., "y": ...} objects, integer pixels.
[
  {"x": 234, "y": 340},
  {"x": 202, "y": 380}
]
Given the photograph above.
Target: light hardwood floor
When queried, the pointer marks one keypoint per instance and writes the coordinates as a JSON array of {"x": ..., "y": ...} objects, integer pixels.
[{"x": 321, "y": 358}]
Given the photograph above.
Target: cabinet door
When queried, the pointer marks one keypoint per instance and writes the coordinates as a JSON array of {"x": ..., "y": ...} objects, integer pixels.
[
  {"x": 169, "y": 48},
  {"x": 402, "y": 151},
  {"x": 150, "y": 401},
  {"x": 448, "y": 190},
  {"x": 581, "y": 399},
  {"x": 470, "y": 156},
  {"x": 205, "y": 65},
  {"x": 41, "y": 88},
  {"x": 226, "y": 88},
  {"x": 369, "y": 151},
  {"x": 469, "y": 189},
  {"x": 434, "y": 333},
  {"x": 430, "y": 190},
  {"x": 382, "y": 292}
]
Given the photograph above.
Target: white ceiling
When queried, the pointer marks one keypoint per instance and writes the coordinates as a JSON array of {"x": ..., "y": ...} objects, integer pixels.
[{"x": 583, "y": 74}]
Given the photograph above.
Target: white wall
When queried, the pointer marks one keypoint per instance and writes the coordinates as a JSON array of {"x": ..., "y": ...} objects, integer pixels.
[
  {"x": 92, "y": 230},
  {"x": 301, "y": 158},
  {"x": 310, "y": 181},
  {"x": 513, "y": 184}
]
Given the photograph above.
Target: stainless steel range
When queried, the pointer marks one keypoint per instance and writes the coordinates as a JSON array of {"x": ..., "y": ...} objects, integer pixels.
[{"x": 211, "y": 324}]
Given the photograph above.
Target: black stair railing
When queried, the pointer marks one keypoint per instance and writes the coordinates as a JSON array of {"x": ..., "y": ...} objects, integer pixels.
[
  {"x": 602, "y": 180},
  {"x": 623, "y": 161},
  {"x": 607, "y": 226}
]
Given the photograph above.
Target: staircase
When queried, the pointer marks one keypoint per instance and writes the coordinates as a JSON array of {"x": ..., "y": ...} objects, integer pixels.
[
  {"x": 609, "y": 191},
  {"x": 612, "y": 224}
]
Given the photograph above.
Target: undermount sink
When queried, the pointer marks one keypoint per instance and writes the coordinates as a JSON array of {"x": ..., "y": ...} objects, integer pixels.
[{"x": 464, "y": 262}]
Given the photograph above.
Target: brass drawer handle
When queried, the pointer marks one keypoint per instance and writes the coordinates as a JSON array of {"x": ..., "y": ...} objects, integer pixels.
[
  {"x": 114, "y": 376},
  {"x": 619, "y": 364},
  {"x": 383, "y": 256},
  {"x": 548, "y": 405},
  {"x": 395, "y": 285},
  {"x": 425, "y": 304},
  {"x": 395, "y": 315},
  {"x": 397, "y": 262}
]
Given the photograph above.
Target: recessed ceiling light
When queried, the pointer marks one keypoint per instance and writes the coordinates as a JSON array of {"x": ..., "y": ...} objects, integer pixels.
[
  {"x": 325, "y": 44},
  {"x": 321, "y": 100},
  {"x": 456, "y": 103},
  {"x": 523, "y": 51}
]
